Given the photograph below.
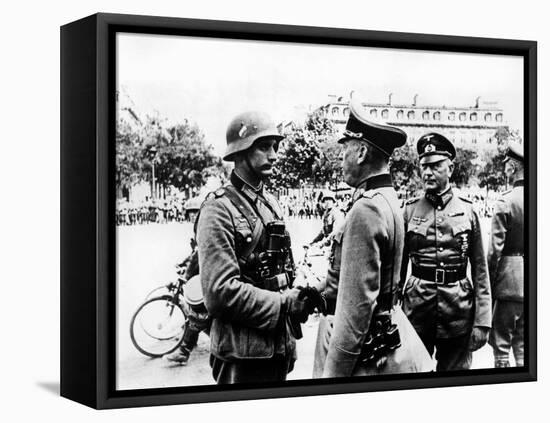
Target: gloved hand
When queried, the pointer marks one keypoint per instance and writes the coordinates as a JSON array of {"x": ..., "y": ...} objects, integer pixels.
[
  {"x": 479, "y": 337},
  {"x": 313, "y": 299},
  {"x": 294, "y": 306}
]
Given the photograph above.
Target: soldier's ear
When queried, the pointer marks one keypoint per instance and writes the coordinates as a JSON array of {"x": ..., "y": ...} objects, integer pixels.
[
  {"x": 362, "y": 153},
  {"x": 451, "y": 167}
]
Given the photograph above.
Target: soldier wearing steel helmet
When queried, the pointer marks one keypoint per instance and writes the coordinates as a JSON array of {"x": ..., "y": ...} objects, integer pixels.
[
  {"x": 506, "y": 263},
  {"x": 450, "y": 311},
  {"x": 246, "y": 263},
  {"x": 333, "y": 217}
]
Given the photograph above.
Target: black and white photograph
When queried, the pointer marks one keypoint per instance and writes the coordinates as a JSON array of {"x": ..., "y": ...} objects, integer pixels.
[
  {"x": 275, "y": 211},
  {"x": 290, "y": 211}
]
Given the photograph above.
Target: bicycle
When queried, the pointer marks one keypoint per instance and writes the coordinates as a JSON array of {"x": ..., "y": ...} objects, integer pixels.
[{"x": 158, "y": 324}]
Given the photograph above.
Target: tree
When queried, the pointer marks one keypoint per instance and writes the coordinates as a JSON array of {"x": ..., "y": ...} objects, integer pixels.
[
  {"x": 128, "y": 156},
  {"x": 309, "y": 154},
  {"x": 465, "y": 166},
  {"x": 404, "y": 170},
  {"x": 180, "y": 156},
  {"x": 492, "y": 176}
]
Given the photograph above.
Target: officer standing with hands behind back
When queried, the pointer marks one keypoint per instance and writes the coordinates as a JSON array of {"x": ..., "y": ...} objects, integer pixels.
[{"x": 450, "y": 312}]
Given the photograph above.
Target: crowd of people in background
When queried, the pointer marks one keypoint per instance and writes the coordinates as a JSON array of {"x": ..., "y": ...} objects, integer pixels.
[
  {"x": 303, "y": 204},
  {"x": 152, "y": 211},
  {"x": 308, "y": 205}
]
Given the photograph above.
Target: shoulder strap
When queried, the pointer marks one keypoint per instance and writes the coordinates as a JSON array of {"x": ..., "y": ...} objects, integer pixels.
[
  {"x": 241, "y": 205},
  {"x": 254, "y": 220}
]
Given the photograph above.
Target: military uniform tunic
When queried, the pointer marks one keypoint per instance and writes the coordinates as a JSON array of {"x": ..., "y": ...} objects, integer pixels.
[
  {"x": 506, "y": 267},
  {"x": 332, "y": 220},
  {"x": 249, "y": 338},
  {"x": 443, "y": 236},
  {"x": 367, "y": 259}
]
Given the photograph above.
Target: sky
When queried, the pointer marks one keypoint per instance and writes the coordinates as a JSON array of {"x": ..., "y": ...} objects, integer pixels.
[{"x": 209, "y": 81}]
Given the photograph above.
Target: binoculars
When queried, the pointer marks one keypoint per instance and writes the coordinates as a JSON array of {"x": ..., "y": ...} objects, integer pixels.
[{"x": 382, "y": 338}]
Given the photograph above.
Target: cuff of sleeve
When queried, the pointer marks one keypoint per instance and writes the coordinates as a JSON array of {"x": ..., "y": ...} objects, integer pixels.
[{"x": 279, "y": 313}]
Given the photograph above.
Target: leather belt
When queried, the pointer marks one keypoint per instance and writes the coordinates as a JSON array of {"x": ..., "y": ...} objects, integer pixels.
[{"x": 441, "y": 276}]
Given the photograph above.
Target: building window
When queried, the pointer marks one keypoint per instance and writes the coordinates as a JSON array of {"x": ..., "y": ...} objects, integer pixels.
[
  {"x": 462, "y": 117},
  {"x": 426, "y": 115},
  {"x": 334, "y": 111},
  {"x": 400, "y": 114},
  {"x": 374, "y": 112},
  {"x": 410, "y": 114},
  {"x": 499, "y": 117},
  {"x": 488, "y": 117},
  {"x": 452, "y": 116},
  {"x": 385, "y": 113},
  {"x": 346, "y": 112},
  {"x": 437, "y": 116},
  {"x": 473, "y": 117}
]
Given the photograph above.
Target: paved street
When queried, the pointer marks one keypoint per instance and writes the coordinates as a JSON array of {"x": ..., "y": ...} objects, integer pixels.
[{"x": 145, "y": 259}]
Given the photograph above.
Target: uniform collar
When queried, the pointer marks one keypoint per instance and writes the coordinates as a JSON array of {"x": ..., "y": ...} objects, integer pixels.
[
  {"x": 440, "y": 199},
  {"x": 518, "y": 183},
  {"x": 373, "y": 182},
  {"x": 240, "y": 183}
]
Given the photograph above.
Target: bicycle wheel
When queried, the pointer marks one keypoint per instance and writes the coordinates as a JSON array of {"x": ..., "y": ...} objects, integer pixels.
[{"x": 157, "y": 326}]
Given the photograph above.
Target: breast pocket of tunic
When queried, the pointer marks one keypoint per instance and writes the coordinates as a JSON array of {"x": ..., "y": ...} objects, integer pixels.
[
  {"x": 243, "y": 237},
  {"x": 417, "y": 231}
]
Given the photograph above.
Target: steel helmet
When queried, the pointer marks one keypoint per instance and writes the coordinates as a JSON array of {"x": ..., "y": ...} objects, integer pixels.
[
  {"x": 245, "y": 129},
  {"x": 327, "y": 194}
]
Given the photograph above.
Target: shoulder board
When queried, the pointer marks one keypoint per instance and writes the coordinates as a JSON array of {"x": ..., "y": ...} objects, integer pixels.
[
  {"x": 465, "y": 199},
  {"x": 220, "y": 192},
  {"x": 412, "y": 200},
  {"x": 370, "y": 193}
]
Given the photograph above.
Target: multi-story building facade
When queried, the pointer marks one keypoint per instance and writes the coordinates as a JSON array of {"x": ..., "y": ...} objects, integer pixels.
[{"x": 473, "y": 126}]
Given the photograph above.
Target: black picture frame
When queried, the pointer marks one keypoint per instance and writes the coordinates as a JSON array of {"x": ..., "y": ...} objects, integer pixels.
[{"x": 88, "y": 201}]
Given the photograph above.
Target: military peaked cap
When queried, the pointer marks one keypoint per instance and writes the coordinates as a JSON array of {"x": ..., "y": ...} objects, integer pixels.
[
  {"x": 434, "y": 147},
  {"x": 384, "y": 137}
]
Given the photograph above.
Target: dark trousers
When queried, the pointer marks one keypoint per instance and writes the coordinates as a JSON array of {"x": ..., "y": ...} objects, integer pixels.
[
  {"x": 507, "y": 331},
  {"x": 450, "y": 353},
  {"x": 249, "y": 371}
]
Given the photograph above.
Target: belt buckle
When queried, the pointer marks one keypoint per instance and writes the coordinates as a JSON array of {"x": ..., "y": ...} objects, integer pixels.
[{"x": 439, "y": 276}]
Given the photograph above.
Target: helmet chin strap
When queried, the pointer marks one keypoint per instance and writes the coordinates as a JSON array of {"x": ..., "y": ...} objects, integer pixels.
[{"x": 249, "y": 173}]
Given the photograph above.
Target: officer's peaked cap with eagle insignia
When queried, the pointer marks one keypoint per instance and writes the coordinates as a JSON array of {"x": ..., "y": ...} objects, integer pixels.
[
  {"x": 434, "y": 147},
  {"x": 247, "y": 128},
  {"x": 384, "y": 137}
]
